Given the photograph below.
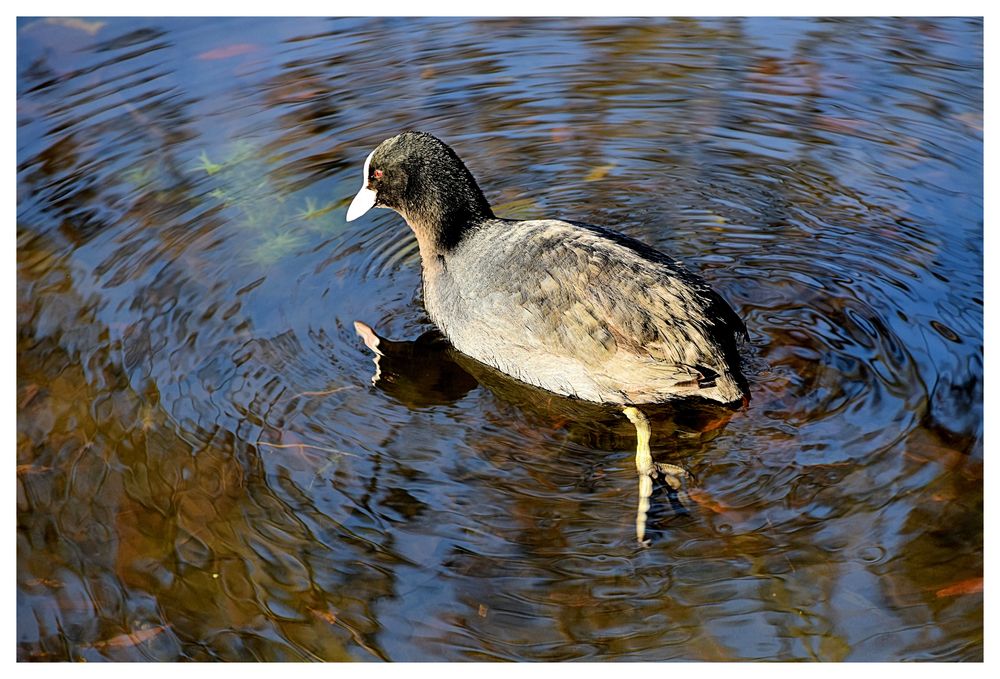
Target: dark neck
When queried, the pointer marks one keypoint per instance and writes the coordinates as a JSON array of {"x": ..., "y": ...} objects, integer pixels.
[{"x": 442, "y": 212}]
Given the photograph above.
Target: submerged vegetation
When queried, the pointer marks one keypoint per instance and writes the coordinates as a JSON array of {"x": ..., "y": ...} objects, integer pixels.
[
  {"x": 276, "y": 220},
  {"x": 273, "y": 218}
]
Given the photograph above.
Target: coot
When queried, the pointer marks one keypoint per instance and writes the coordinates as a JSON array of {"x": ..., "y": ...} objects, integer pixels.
[{"x": 575, "y": 309}]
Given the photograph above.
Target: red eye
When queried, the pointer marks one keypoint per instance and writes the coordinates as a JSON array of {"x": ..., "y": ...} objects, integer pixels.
[{"x": 377, "y": 174}]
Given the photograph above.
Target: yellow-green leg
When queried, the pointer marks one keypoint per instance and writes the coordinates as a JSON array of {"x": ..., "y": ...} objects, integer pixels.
[{"x": 647, "y": 469}]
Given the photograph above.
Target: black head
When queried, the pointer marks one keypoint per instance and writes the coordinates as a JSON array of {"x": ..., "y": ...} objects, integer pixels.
[{"x": 421, "y": 178}]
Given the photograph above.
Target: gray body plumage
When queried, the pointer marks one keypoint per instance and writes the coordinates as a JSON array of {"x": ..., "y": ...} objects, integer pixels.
[{"x": 567, "y": 308}]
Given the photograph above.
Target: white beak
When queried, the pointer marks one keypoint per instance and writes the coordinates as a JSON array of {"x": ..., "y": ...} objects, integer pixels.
[
  {"x": 362, "y": 203},
  {"x": 365, "y": 200}
]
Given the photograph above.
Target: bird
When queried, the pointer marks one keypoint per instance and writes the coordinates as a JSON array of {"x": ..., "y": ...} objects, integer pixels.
[{"x": 579, "y": 310}]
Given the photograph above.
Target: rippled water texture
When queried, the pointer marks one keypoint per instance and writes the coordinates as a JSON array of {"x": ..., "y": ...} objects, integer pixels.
[{"x": 205, "y": 470}]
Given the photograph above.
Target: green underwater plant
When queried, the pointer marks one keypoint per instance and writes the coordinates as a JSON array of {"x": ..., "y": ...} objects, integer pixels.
[{"x": 274, "y": 218}]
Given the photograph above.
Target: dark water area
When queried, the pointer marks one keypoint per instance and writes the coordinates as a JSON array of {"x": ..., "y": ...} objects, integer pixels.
[{"x": 206, "y": 471}]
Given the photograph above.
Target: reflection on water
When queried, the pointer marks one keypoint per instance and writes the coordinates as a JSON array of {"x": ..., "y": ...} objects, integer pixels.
[{"x": 205, "y": 470}]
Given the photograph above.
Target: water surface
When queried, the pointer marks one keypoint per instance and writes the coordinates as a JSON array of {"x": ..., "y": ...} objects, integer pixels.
[{"x": 205, "y": 470}]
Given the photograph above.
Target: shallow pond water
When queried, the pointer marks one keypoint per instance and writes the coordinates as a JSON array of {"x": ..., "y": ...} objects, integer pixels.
[{"x": 206, "y": 471}]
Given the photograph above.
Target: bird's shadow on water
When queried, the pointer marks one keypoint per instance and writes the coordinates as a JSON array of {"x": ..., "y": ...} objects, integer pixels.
[{"x": 429, "y": 371}]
